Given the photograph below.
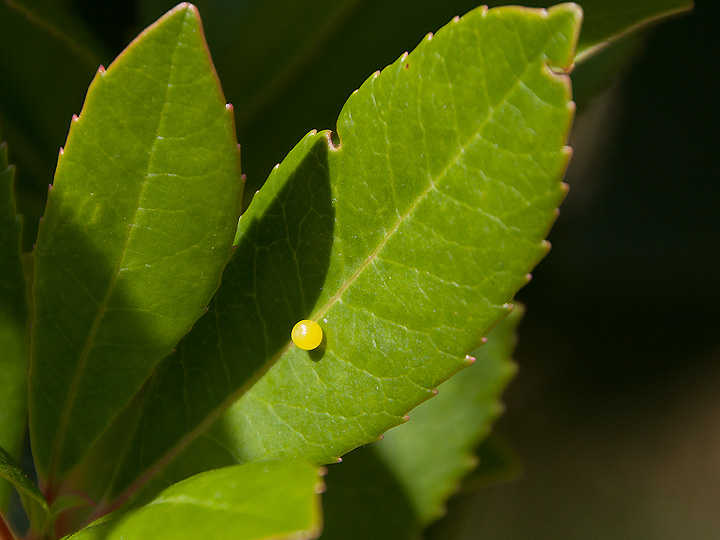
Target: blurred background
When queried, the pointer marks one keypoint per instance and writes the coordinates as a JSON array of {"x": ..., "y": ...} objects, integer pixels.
[{"x": 615, "y": 411}]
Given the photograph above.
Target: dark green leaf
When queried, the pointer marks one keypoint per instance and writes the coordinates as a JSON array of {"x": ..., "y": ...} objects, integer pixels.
[
  {"x": 446, "y": 181},
  {"x": 137, "y": 230},
  {"x": 257, "y": 501}
]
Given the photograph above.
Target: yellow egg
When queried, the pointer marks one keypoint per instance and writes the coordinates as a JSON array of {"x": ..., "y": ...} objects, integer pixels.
[{"x": 307, "y": 334}]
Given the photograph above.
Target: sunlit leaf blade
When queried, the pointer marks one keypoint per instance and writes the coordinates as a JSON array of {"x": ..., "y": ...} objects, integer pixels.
[
  {"x": 446, "y": 181},
  {"x": 405, "y": 243},
  {"x": 13, "y": 351},
  {"x": 138, "y": 227},
  {"x": 33, "y": 501},
  {"x": 257, "y": 501}
]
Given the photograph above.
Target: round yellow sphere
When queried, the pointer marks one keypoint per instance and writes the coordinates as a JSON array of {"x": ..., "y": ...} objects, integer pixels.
[{"x": 307, "y": 335}]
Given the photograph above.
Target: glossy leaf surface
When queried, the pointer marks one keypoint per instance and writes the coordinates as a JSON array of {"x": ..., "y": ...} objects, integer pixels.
[
  {"x": 257, "y": 501},
  {"x": 405, "y": 243},
  {"x": 137, "y": 230}
]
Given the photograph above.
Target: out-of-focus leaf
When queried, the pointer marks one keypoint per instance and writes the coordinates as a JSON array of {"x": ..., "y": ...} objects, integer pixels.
[
  {"x": 257, "y": 501},
  {"x": 138, "y": 227},
  {"x": 446, "y": 181},
  {"x": 13, "y": 315}
]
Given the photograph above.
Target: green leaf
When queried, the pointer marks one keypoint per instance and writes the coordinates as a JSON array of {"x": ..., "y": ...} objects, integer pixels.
[
  {"x": 13, "y": 315},
  {"x": 439, "y": 197},
  {"x": 607, "y": 20},
  {"x": 138, "y": 227},
  {"x": 257, "y": 501},
  {"x": 445, "y": 183},
  {"x": 35, "y": 505},
  {"x": 420, "y": 464}
]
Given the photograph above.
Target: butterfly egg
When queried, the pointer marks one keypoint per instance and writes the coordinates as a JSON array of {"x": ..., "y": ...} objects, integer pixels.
[{"x": 307, "y": 334}]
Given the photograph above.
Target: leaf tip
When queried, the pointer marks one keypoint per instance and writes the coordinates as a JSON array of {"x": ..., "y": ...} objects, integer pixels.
[
  {"x": 185, "y": 6},
  {"x": 471, "y": 359}
]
